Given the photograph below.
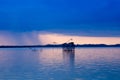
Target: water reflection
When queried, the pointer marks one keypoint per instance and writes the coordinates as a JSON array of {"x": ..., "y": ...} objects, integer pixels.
[
  {"x": 69, "y": 57},
  {"x": 59, "y": 64}
]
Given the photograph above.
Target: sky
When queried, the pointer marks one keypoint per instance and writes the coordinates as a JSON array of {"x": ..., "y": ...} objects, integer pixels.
[{"x": 87, "y": 18}]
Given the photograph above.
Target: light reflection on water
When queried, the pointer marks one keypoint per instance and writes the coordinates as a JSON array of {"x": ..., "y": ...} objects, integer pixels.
[{"x": 56, "y": 64}]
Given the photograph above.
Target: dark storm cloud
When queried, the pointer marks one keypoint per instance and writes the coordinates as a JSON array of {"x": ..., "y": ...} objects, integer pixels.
[{"x": 81, "y": 17}]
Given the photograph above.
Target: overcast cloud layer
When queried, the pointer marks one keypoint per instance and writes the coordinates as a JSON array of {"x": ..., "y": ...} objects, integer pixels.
[{"x": 79, "y": 17}]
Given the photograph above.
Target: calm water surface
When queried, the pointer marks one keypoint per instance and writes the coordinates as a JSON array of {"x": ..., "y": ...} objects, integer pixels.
[{"x": 56, "y": 64}]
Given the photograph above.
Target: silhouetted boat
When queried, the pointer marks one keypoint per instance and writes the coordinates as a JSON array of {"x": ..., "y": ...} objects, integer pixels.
[{"x": 68, "y": 46}]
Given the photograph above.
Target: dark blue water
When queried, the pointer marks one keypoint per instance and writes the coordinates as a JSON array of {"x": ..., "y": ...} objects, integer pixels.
[{"x": 56, "y": 64}]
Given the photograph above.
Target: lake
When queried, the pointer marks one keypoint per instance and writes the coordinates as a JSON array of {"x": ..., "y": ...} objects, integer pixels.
[{"x": 57, "y": 64}]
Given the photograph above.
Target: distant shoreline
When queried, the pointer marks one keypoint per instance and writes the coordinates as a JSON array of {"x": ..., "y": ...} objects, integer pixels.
[{"x": 59, "y": 45}]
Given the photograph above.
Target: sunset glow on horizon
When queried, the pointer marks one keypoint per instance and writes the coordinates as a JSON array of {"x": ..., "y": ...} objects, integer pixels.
[
  {"x": 43, "y": 38},
  {"x": 50, "y": 38}
]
